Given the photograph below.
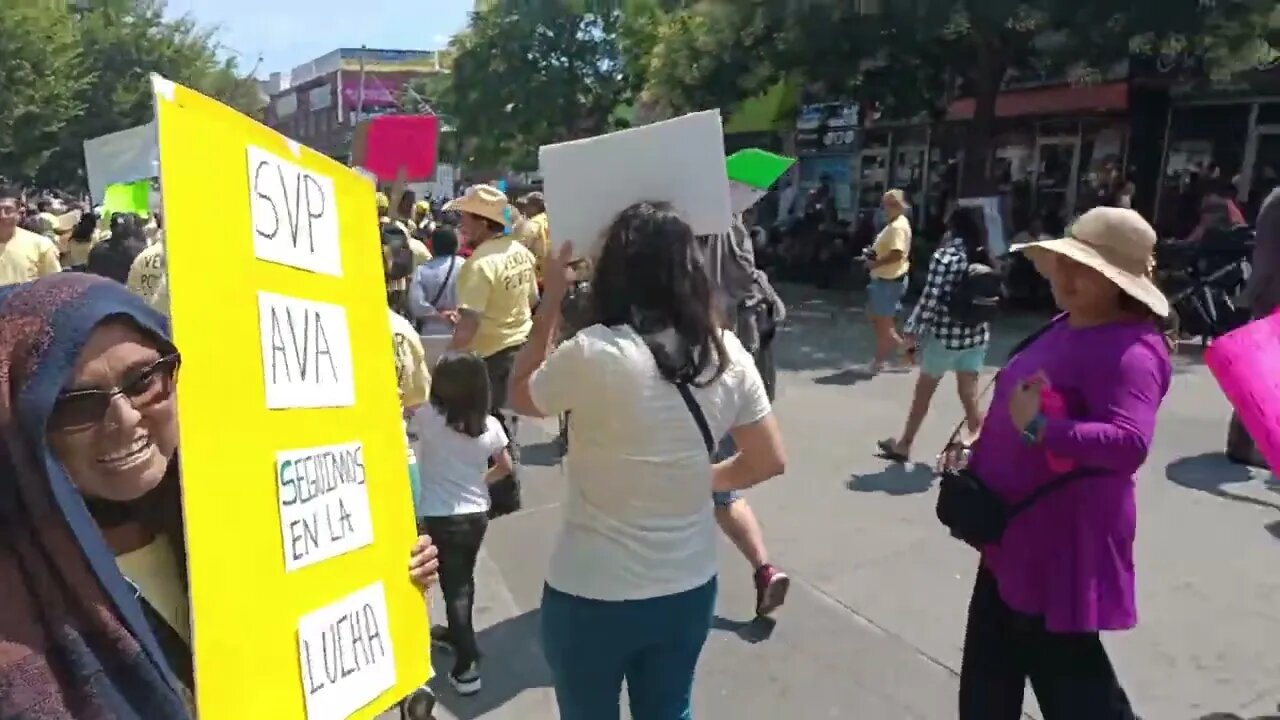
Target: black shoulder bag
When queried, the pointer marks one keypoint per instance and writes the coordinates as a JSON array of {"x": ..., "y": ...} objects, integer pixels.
[
  {"x": 696, "y": 411},
  {"x": 973, "y": 512}
]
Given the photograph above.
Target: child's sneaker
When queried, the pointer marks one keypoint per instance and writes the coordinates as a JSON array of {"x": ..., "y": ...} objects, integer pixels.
[{"x": 467, "y": 682}]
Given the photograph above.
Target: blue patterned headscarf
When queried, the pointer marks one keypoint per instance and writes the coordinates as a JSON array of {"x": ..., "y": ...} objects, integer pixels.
[{"x": 74, "y": 642}]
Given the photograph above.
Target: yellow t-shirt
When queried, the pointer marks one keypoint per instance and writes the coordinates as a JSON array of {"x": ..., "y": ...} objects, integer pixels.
[
  {"x": 149, "y": 277},
  {"x": 411, "y": 362},
  {"x": 497, "y": 283},
  {"x": 538, "y": 239},
  {"x": 421, "y": 255},
  {"x": 27, "y": 256},
  {"x": 895, "y": 236},
  {"x": 154, "y": 570}
]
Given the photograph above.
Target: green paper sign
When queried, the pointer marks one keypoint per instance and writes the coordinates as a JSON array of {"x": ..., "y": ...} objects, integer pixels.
[
  {"x": 134, "y": 197},
  {"x": 757, "y": 168}
]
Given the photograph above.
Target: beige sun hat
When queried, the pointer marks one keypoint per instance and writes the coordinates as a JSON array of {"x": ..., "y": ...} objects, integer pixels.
[
  {"x": 1117, "y": 242},
  {"x": 486, "y": 201}
]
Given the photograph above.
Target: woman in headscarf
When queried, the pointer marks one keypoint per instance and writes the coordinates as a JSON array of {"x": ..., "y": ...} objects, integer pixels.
[{"x": 92, "y": 560}]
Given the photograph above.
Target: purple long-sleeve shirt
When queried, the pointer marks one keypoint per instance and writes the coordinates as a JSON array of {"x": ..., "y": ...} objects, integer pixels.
[{"x": 1069, "y": 558}]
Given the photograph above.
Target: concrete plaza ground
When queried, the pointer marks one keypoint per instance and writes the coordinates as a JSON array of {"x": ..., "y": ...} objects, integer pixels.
[{"x": 874, "y": 624}]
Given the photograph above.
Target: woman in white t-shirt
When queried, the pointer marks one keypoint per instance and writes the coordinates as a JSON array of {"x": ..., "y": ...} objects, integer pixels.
[
  {"x": 632, "y": 583},
  {"x": 456, "y": 437}
]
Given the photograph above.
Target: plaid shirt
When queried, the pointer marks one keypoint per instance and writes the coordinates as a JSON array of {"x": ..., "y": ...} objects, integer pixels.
[{"x": 931, "y": 317}]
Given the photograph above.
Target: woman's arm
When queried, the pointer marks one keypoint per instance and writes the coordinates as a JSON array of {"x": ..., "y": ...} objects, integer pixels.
[
  {"x": 1125, "y": 403},
  {"x": 502, "y": 467},
  {"x": 925, "y": 312},
  {"x": 760, "y": 457},
  {"x": 546, "y": 323}
]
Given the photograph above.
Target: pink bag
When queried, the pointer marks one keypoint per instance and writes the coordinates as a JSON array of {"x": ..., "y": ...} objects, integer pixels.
[{"x": 1246, "y": 364}]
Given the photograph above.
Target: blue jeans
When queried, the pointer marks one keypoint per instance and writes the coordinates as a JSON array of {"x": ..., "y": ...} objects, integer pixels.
[{"x": 591, "y": 646}]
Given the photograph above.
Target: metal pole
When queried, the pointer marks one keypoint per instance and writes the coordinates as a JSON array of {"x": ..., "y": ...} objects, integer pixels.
[
  {"x": 360, "y": 91},
  {"x": 1164, "y": 161}
]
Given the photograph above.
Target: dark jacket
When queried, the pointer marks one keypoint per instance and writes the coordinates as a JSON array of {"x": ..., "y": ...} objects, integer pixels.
[
  {"x": 113, "y": 257},
  {"x": 1263, "y": 291}
]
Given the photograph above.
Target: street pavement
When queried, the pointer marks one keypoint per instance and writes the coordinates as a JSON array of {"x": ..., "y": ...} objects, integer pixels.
[{"x": 874, "y": 624}]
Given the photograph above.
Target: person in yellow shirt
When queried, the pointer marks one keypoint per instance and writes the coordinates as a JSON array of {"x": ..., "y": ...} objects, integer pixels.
[
  {"x": 537, "y": 234},
  {"x": 412, "y": 375},
  {"x": 24, "y": 255},
  {"x": 149, "y": 277},
  {"x": 888, "y": 262},
  {"x": 421, "y": 255},
  {"x": 497, "y": 290}
]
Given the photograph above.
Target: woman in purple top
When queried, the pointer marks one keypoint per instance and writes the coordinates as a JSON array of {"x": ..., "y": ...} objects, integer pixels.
[{"x": 1083, "y": 395}]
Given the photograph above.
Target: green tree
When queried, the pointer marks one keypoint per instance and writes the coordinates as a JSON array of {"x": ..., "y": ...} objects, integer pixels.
[
  {"x": 912, "y": 55},
  {"x": 530, "y": 73},
  {"x": 122, "y": 42},
  {"x": 42, "y": 77}
]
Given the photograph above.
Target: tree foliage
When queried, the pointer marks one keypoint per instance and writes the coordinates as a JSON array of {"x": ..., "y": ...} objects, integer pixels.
[
  {"x": 530, "y": 73},
  {"x": 98, "y": 84},
  {"x": 906, "y": 56},
  {"x": 42, "y": 77}
]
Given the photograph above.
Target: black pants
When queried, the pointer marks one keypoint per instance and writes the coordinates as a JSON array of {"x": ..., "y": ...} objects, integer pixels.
[
  {"x": 457, "y": 539},
  {"x": 499, "y": 365},
  {"x": 1070, "y": 673}
]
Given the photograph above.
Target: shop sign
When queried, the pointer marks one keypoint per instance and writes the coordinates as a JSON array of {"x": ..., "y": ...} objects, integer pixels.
[{"x": 828, "y": 128}]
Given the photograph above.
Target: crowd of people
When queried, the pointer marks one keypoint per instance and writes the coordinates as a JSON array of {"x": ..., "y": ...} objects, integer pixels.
[{"x": 656, "y": 355}]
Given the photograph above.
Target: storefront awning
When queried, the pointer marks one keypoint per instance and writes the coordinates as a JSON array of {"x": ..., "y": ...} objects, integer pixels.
[{"x": 1058, "y": 100}]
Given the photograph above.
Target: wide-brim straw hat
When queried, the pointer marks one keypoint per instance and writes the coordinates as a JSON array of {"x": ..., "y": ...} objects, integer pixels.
[
  {"x": 1117, "y": 242},
  {"x": 485, "y": 201}
]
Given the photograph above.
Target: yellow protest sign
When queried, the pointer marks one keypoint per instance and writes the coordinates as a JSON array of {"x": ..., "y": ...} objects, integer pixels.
[{"x": 295, "y": 486}]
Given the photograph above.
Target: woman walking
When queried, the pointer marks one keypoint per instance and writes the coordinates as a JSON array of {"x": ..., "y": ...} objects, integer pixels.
[
  {"x": 1080, "y": 398},
  {"x": 651, "y": 387},
  {"x": 889, "y": 263},
  {"x": 946, "y": 340}
]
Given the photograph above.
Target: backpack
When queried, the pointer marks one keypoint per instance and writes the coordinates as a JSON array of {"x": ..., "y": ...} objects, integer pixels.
[{"x": 976, "y": 298}]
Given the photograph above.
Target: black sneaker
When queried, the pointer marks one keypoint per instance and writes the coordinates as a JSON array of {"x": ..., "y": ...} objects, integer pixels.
[
  {"x": 440, "y": 639},
  {"x": 467, "y": 682}
]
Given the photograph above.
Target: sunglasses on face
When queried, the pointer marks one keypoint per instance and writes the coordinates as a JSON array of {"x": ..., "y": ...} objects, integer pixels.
[{"x": 81, "y": 409}]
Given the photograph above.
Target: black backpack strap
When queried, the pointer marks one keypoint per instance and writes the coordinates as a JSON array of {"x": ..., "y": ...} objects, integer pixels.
[
  {"x": 453, "y": 260},
  {"x": 696, "y": 411},
  {"x": 1048, "y": 488},
  {"x": 1025, "y": 342}
]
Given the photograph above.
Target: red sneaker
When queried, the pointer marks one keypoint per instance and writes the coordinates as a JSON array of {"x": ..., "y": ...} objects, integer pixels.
[{"x": 771, "y": 589}]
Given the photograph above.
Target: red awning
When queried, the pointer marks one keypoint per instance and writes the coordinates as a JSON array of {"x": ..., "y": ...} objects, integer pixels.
[{"x": 1058, "y": 100}]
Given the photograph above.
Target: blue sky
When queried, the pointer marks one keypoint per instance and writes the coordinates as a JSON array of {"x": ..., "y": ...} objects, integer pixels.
[{"x": 287, "y": 33}]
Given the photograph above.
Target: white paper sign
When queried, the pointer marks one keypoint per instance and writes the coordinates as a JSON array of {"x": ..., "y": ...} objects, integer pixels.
[
  {"x": 346, "y": 654},
  {"x": 295, "y": 214},
  {"x": 121, "y": 157},
  {"x": 306, "y": 353},
  {"x": 324, "y": 503},
  {"x": 680, "y": 161},
  {"x": 743, "y": 197}
]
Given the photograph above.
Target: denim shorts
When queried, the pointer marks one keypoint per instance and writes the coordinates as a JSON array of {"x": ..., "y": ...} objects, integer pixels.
[
  {"x": 884, "y": 297},
  {"x": 936, "y": 359}
]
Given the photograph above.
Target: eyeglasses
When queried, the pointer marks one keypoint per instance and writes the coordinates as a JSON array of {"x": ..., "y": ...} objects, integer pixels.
[{"x": 82, "y": 409}]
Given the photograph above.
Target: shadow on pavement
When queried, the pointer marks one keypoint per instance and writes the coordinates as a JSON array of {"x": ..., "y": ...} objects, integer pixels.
[
  {"x": 1274, "y": 529},
  {"x": 1233, "y": 716},
  {"x": 512, "y": 664},
  {"x": 543, "y": 454},
  {"x": 752, "y": 632},
  {"x": 845, "y": 378},
  {"x": 897, "y": 479},
  {"x": 1210, "y": 473}
]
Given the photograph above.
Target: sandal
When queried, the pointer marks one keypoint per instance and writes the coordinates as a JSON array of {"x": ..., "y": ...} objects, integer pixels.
[{"x": 889, "y": 451}]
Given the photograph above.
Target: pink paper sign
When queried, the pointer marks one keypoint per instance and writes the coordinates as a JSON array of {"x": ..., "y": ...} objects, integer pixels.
[{"x": 1246, "y": 363}]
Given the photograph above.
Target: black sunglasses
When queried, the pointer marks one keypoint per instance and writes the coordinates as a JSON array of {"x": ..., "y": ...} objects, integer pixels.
[{"x": 80, "y": 409}]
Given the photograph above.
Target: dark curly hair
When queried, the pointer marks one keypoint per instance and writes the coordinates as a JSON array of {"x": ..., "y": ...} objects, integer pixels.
[{"x": 651, "y": 275}]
